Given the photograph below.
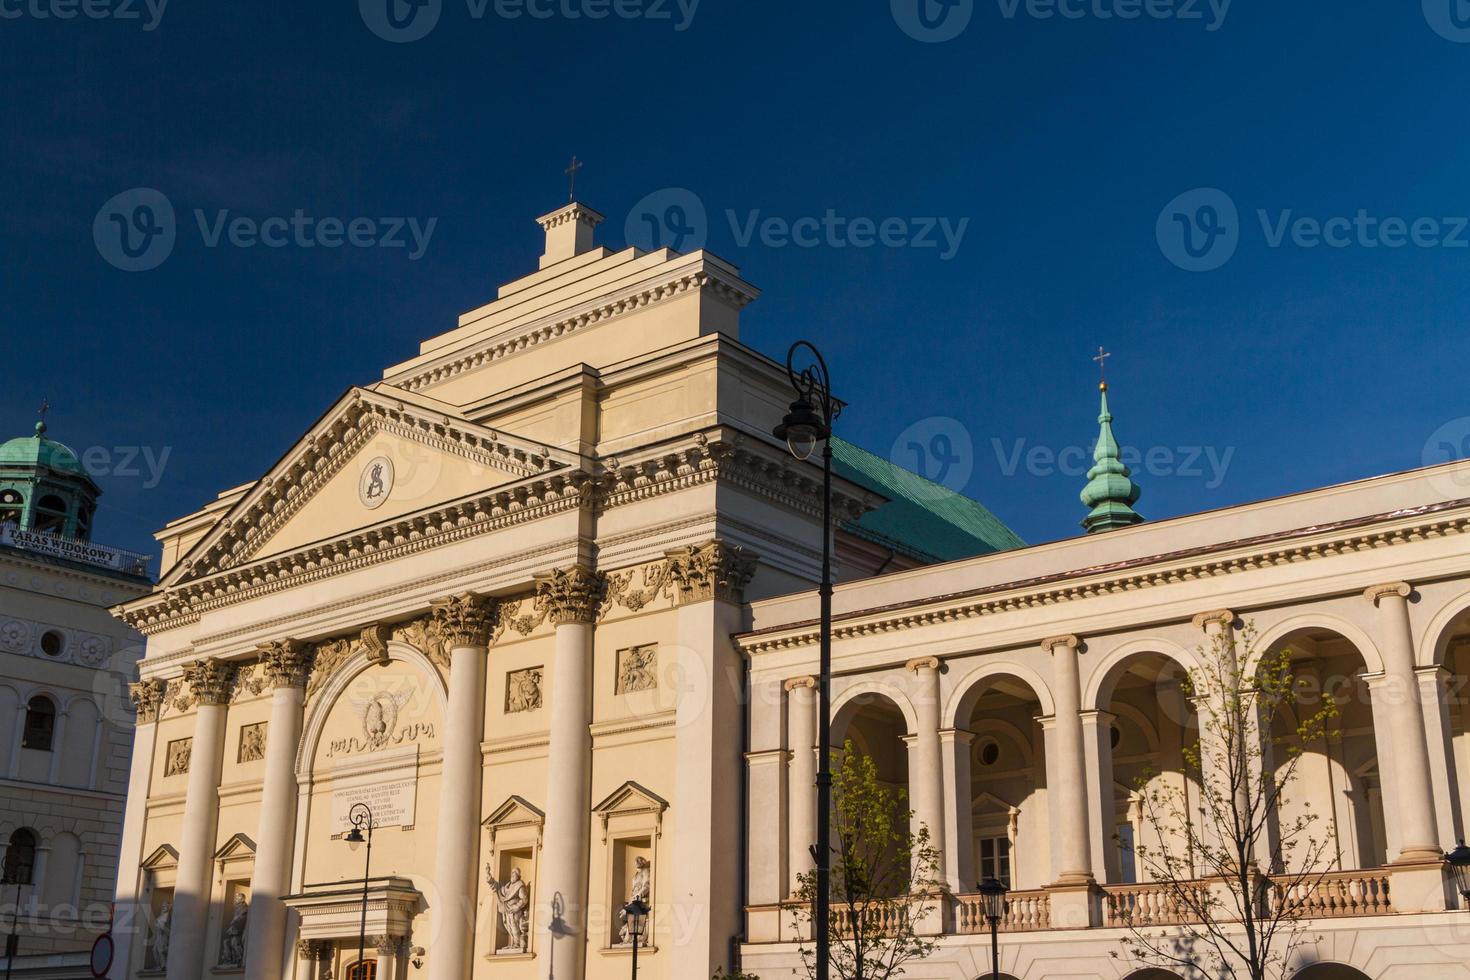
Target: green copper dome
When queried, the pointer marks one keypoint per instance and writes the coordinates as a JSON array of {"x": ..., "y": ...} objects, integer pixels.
[
  {"x": 39, "y": 452},
  {"x": 44, "y": 488},
  {"x": 1109, "y": 492}
]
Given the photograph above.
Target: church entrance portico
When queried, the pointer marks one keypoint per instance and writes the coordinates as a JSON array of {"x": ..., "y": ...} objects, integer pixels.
[{"x": 333, "y": 929}]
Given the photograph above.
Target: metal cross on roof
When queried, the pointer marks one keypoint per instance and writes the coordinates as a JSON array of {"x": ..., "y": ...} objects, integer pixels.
[
  {"x": 571, "y": 173},
  {"x": 1102, "y": 363}
]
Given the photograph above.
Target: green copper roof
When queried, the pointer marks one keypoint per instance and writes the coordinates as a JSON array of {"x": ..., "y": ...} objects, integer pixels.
[
  {"x": 1109, "y": 491},
  {"x": 922, "y": 518},
  {"x": 39, "y": 452}
]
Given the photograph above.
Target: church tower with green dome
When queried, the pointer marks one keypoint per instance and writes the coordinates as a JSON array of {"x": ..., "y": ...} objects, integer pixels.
[
  {"x": 44, "y": 488},
  {"x": 1110, "y": 491}
]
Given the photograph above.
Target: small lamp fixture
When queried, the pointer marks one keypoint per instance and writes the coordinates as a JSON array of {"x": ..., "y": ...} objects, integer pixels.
[
  {"x": 637, "y": 912},
  {"x": 993, "y": 896},
  {"x": 1459, "y": 862},
  {"x": 354, "y": 837},
  {"x": 802, "y": 428}
]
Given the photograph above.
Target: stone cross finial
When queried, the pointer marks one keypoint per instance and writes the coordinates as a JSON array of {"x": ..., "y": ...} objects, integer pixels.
[{"x": 572, "y": 176}]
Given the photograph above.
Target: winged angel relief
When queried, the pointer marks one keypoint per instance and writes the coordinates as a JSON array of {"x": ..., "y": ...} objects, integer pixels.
[{"x": 380, "y": 723}]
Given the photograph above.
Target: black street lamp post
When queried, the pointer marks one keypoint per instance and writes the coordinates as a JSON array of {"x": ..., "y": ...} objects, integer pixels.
[
  {"x": 362, "y": 817},
  {"x": 1459, "y": 862},
  {"x": 993, "y": 894},
  {"x": 808, "y": 423},
  {"x": 637, "y": 913}
]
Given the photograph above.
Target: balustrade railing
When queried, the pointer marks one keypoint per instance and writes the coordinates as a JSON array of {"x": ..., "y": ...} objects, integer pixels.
[
  {"x": 1336, "y": 894},
  {"x": 1025, "y": 911},
  {"x": 1151, "y": 903}
]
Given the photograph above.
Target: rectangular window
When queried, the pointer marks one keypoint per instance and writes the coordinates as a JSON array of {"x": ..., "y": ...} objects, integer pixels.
[
  {"x": 40, "y": 727},
  {"x": 995, "y": 859}
]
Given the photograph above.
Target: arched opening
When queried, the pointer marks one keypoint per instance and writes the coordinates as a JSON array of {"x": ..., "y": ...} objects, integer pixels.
[
  {"x": 20, "y": 857},
  {"x": 1336, "y": 796},
  {"x": 876, "y": 729},
  {"x": 1453, "y": 649},
  {"x": 1007, "y": 827},
  {"x": 1329, "y": 971},
  {"x": 12, "y": 505},
  {"x": 1152, "y": 973},
  {"x": 1151, "y": 725},
  {"x": 364, "y": 970},
  {"x": 40, "y": 726},
  {"x": 50, "y": 514}
]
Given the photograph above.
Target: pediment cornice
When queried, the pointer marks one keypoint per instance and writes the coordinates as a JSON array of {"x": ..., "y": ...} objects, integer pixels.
[{"x": 277, "y": 497}]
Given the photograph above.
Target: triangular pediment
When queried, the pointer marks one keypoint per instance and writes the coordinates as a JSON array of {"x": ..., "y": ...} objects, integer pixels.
[
  {"x": 375, "y": 457},
  {"x": 163, "y": 856},
  {"x": 237, "y": 846},
  {"x": 516, "y": 811},
  {"x": 631, "y": 798}
]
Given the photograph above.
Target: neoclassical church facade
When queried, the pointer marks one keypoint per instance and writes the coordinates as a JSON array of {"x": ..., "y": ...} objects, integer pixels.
[{"x": 540, "y": 603}]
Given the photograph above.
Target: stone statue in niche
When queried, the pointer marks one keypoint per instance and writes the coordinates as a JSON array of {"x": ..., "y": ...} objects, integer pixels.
[
  {"x": 638, "y": 891},
  {"x": 515, "y": 902},
  {"x": 637, "y": 669},
  {"x": 523, "y": 690},
  {"x": 232, "y": 948},
  {"x": 252, "y": 742},
  {"x": 158, "y": 942}
]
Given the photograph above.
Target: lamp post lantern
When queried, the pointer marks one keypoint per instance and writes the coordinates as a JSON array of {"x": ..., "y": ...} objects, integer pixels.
[
  {"x": 1459, "y": 862},
  {"x": 808, "y": 423},
  {"x": 362, "y": 818},
  {"x": 637, "y": 913},
  {"x": 993, "y": 895}
]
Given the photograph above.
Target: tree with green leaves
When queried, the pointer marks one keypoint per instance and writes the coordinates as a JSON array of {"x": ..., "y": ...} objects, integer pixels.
[
  {"x": 884, "y": 879},
  {"x": 1213, "y": 832}
]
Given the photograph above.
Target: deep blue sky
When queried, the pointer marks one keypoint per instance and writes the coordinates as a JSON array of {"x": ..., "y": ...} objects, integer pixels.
[{"x": 1060, "y": 140}]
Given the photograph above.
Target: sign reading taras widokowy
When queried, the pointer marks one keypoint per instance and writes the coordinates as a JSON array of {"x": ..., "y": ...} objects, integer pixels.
[{"x": 58, "y": 547}]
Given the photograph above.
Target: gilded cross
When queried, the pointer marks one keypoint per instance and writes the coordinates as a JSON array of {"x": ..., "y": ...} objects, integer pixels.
[
  {"x": 45, "y": 407},
  {"x": 1102, "y": 363},
  {"x": 571, "y": 173}
]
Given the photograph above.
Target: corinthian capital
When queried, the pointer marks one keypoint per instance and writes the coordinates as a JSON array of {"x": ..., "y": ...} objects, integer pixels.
[
  {"x": 286, "y": 663},
  {"x": 462, "y": 621},
  {"x": 211, "y": 681},
  {"x": 713, "y": 570},
  {"x": 147, "y": 697},
  {"x": 570, "y": 595}
]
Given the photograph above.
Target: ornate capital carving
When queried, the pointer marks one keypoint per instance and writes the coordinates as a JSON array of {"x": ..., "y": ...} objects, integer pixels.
[
  {"x": 388, "y": 945},
  {"x": 713, "y": 570},
  {"x": 797, "y": 683},
  {"x": 570, "y": 595},
  {"x": 374, "y": 643},
  {"x": 1376, "y": 592},
  {"x": 1215, "y": 617},
  {"x": 462, "y": 620},
  {"x": 1068, "y": 641},
  {"x": 287, "y": 663},
  {"x": 922, "y": 663},
  {"x": 211, "y": 681},
  {"x": 147, "y": 698}
]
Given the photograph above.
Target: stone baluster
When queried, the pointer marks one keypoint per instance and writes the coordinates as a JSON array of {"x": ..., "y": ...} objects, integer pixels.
[
  {"x": 571, "y": 598},
  {"x": 211, "y": 682},
  {"x": 461, "y": 625},
  {"x": 286, "y": 664}
]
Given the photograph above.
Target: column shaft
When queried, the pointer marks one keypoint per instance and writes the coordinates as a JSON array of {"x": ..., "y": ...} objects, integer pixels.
[
  {"x": 201, "y": 819},
  {"x": 926, "y": 760},
  {"x": 1066, "y": 778},
  {"x": 959, "y": 816},
  {"x": 265, "y": 941},
  {"x": 801, "y": 793},
  {"x": 129, "y": 918}
]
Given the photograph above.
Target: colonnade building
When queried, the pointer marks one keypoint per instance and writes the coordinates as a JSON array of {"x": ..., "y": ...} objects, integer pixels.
[{"x": 540, "y": 600}]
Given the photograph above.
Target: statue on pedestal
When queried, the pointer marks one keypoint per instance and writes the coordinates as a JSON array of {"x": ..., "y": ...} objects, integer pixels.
[
  {"x": 232, "y": 948},
  {"x": 640, "y": 890},
  {"x": 515, "y": 902}
]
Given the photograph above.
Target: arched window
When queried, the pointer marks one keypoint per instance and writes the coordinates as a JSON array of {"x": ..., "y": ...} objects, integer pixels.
[
  {"x": 366, "y": 970},
  {"x": 40, "y": 724},
  {"x": 20, "y": 858},
  {"x": 11, "y": 505},
  {"x": 50, "y": 514}
]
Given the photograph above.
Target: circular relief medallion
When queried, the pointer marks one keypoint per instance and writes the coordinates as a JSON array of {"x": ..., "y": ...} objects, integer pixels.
[
  {"x": 92, "y": 651},
  {"x": 15, "y": 636},
  {"x": 376, "y": 482}
]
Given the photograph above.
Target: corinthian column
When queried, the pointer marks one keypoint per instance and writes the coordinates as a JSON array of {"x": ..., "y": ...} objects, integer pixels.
[
  {"x": 147, "y": 698},
  {"x": 211, "y": 682},
  {"x": 286, "y": 664},
  {"x": 570, "y": 597},
  {"x": 801, "y": 789},
  {"x": 462, "y": 626},
  {"x": 1409, "y": 753}
]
